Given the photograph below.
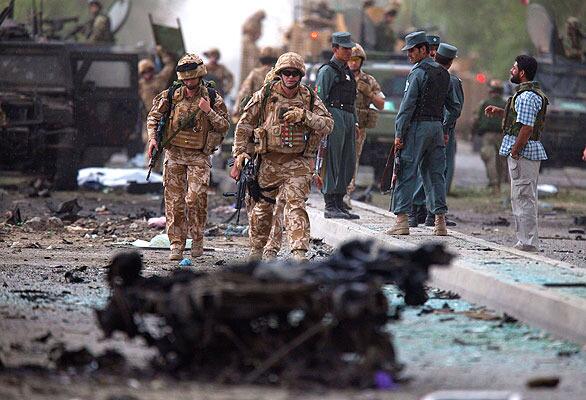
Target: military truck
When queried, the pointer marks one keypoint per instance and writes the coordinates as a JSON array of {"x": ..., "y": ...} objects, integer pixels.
[
  {"x": 66, "y": 105},
  {"x": 390, "y": 71},
  {"x": 563, "y": 79},
  {"x": 62, "y": 102}
]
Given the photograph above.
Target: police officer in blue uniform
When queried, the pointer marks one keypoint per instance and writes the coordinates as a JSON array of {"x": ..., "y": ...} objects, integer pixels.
[
  {"x": 419, "y": 136},
  {"x": 336, "y": 87},
  {"x": 453, "y": 108}
]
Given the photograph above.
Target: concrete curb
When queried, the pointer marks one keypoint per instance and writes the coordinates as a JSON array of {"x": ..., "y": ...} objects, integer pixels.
[{"x": 562, "y": 315}]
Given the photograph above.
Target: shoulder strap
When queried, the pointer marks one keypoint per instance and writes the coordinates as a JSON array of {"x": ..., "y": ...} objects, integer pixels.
[
  {"x": 266, "y": 92},
  {"x": 311, "y": 96}
]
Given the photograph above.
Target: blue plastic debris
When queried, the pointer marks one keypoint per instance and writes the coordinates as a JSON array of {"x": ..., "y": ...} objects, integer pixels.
[
  {"x": 186, "y": 262},
  {"x": 384, "y": 381}
]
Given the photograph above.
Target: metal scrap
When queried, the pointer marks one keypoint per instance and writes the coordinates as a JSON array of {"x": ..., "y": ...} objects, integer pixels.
[{"x": 323, "y": 321}]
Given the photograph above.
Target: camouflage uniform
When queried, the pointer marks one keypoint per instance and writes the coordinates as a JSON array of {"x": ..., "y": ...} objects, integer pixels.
[
  {"x": 187, "y": 162},
  {"x": 148, "y": 90},
  {"x": 367, "y": 87},
  {"x": 284, "y": 151},
  {"x": 98, "y": 30},
  {"x": 253, "y": 82},
  {"x": 219, "y": 74}
]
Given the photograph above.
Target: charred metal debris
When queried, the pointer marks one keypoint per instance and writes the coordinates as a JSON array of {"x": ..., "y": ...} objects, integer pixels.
[{"x": 277, "y": 322}]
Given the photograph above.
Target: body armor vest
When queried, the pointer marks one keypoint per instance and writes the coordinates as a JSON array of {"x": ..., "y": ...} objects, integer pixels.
[
  {"x": 281, "y": 136},
  {"x": 367, "y": 117},
  {"x": 194, "y": 136},
  {"x": 510, "y": 124},
  {"x": 343, "y": 92},
  {"x": 431, "y": 100}
]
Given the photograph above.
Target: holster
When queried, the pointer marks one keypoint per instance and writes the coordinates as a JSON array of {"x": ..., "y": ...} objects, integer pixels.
[{"x": 212, "y": 142}]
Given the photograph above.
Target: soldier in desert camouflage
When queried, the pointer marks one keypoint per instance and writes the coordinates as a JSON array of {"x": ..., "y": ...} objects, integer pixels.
[
  {"x": 368, "y": 92},
  {"x": 199, "y": 120},
  {"x": 287, "y": 126},
  {"x": 256, "y": 78},
  {"x": 150, "y": 84},
  {"x": 218, "y": 72}
]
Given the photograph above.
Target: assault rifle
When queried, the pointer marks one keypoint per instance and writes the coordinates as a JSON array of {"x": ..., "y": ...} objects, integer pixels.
[
  {"x": 244, "y": 182},
  {"x": 387, "y": 186},
  {"x": 160, "y": 133}
]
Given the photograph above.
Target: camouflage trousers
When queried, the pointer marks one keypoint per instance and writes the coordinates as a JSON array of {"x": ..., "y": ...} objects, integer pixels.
[
  {"x": 186, "y": 198},
  {"x": 290, "y": 176},
  {"x": 275, "y": 240},
  {"x": 360, "y": 139}
]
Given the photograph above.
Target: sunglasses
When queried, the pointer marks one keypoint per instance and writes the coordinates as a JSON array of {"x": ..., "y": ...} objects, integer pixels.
[
  {"x": 291, "y": 72},
  {"x": 355, "y": 59}
]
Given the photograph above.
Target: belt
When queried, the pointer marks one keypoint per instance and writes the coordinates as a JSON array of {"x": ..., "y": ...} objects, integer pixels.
[
  {"x": 342, "y": 106},
  {"x": 427, "y": 118}
]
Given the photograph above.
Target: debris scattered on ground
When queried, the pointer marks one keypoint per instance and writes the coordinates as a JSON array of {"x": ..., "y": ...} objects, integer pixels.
[
  {"x": 143, "y": 188},
  {"x": 72, "y": 277},
  {"x": 499, "y": 221},
  {"x": 157, "y": 222},
  {"x": 546, "y": 190},
  {"x": 236, "y": 230},
  {"x": 102, "y": 210},
  {"x": 543, "y": 382},
  {"x": 13, "y": 217},
  {"x": 67, "y": 211},
  {"x": 39, "y": 188},
  {"x": 84, "y": 359},
  {"x": 186, "y": 262},
  {"x": 42, "y": 223},
  {"x": 274, "y": 322},
  {"x": 44, "y": 338},
  {"x": 114, "y": 177}
]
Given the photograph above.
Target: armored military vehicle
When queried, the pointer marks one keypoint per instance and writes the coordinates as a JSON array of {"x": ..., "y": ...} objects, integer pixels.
[
  {"x": 564, "y": 81},
  {"x": 390, "y": 71},
  {"x": 65, "y": 104}
]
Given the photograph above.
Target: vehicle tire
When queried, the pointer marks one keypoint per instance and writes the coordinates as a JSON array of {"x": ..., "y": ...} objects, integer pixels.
[{"x": 67, "y": 162}]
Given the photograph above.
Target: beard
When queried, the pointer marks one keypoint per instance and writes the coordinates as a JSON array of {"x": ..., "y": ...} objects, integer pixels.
[{"x": 516, "y": 79}]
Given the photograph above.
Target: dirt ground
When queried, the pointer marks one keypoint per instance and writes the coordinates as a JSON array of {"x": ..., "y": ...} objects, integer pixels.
[{"x": 52, "y": 280}]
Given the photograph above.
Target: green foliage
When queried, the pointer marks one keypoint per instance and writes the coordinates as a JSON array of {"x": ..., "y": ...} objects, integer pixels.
[{"x": 494, "y": 30}]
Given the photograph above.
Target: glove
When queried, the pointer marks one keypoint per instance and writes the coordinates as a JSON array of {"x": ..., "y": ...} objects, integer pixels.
[
  {"x": 294, "y": 115},
  {"x": 364, "y": 88},
  {"x": 240, "y": 159}
]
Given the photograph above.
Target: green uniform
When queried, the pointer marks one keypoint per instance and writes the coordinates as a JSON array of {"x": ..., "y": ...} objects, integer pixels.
[
  {"x": 424, "y": 146},
  {"x": 486, "y": 124},
  {"x": 341, "y": 143}
]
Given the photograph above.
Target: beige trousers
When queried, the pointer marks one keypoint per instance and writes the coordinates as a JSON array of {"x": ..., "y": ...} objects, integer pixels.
[{"x": 524, "y": 175}]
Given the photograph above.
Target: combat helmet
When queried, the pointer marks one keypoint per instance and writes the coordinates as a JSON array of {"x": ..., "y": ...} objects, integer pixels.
[
  {"x": 144, "y": 65},
  {"x": 269, "y": 55},
  {"x": 190, "y": 66},
  {"x": 358, "y": 51},
  {"x": 290, "y": 60}
]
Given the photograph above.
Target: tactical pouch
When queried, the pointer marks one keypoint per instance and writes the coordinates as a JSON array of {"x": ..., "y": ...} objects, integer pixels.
[
  {"x": 213, "y": 141},
  {"x": 312, "y": 146},
  {"x": 371, "y": 118},
  {"x": 260, "y": 140},
  {"x": 274, "y": 140}
]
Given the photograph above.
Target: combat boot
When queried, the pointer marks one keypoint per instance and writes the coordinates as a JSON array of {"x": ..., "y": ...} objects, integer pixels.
[
  {"x": 269, "y": 255},
  {"x": 430, "y": 219},
  {"x": 196, "y": 250},
  {"x": 255, "y": 254},
  {"x": 299, "y": 255},
  {"x": 401, "y": 226},
  {"x": 176, "y": 254},
  {"x": 440, "y": 225},
  {"x": 331, "y": 210},
  {"x": 413, "y": 214},
  {"x": 340, "y": 204}
]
